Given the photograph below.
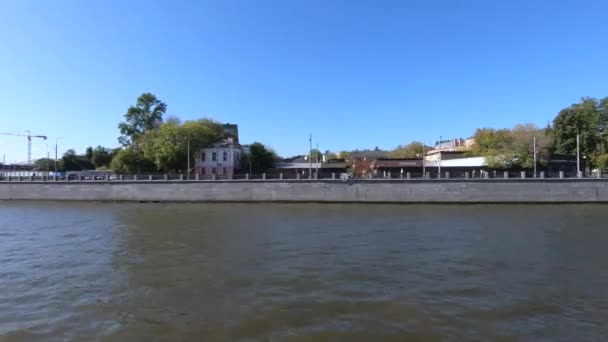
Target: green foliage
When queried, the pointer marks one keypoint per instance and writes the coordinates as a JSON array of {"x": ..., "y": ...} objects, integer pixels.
[
  {"x": 167, "y": 145},
  {"x": 259, "y": 159},
  {"x": 125, "y": 161},
  {"x": 146, "y": 115},
  {"x": 89, "y": 153},
  {"x": 411, "y": 150},
  {"x": 344, "y": 154},
  {"x": 588, "y": 118},
  {"x": 499, "y": 162},
  {"x": 202, "y": 133},
  {"x": 505, "y": 148},
  {"x": 490, "y": 142},
  {"x": 72, "y": 162},
  {"x": 151, "y": 144},
  {"x": 164, "y": 147},
  {"x": 316, "y": 155},
  {"x": 601, "y": 161},
  {"x": 330, "y": 155},
  {"x": 101, "y": 157},
  {"x": 45, "y": 164}
]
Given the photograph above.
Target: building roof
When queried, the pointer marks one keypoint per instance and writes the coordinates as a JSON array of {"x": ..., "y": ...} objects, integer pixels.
[
  {"x": 301, "y": 162},
  {"x": 397, "y": 162},
  {"x": 334, "y": 165},
  {"x": 377, "y": 154},
  {"x": 297, "y": 159},
  {"x": 445, "y": 152},
  {"x": 461, "y": 162},
  {"x": 228, "y": 142},
  {"x": 291, "y": 165}
]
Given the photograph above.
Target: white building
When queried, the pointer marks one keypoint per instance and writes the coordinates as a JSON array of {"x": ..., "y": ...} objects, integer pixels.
[
  {"x": 222, "y": 159},
  {"x": 461, "y": 162}
]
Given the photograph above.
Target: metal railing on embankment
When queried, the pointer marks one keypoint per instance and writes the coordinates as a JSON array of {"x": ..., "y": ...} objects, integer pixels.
[{"x": 385, "y": 176}]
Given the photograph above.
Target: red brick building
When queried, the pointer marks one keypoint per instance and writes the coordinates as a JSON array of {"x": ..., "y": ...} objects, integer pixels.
[{"x": 359, "y": 163}]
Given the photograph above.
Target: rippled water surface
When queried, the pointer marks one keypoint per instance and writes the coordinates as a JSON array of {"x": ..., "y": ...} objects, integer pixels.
[{"x": 302, "y": 272}]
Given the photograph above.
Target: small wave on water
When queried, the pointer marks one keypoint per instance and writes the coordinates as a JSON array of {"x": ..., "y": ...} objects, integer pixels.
[{"x": 229, "y": 272}]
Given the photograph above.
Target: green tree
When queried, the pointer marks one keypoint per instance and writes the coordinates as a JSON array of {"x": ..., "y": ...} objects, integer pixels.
[
  {"x": 330, "y": 155},
  {"x": 45, "y": 164},
  {"x": 505, "y": 148},
  {"x": 146, "y": 115},
  {"x": 316, "y": 155},
  {"x": 89, "y": 153},
  {"x": 259, "y": 159},
  {"x": 344, "y": 154},
  {"x": 522, "y": 145},
  {"x": 601, "y": 161},
  {"x": 164, "y": 147},
  {"x": 201, "y": 133},
  {"x": 167, "y": 145},
  {"x": 125, "y": 161},
  {"x": 101, "y": 157},
  {"x": 73, "y": 162},
  {"x": 588, "y": 119},
  {"x": 490, "y": 142},
  {"x": 411, "y": 150}
]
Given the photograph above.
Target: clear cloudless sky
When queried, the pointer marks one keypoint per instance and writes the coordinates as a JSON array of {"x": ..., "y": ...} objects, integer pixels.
[{"x": 357, "y": 74}]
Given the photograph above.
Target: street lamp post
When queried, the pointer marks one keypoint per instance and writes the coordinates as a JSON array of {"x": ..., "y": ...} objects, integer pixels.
[
  {"x": 578, "y": 155},
  {"x": 310, "y": 157},
  {"x": 188, "y": 156},
  {"x": 56, "y": 139},
  {"x": 534, "y": 157},
  {"x": 439, "y": 166},
  {"x": 423, "y": 165},
  {"x": 249, "y": 158}
]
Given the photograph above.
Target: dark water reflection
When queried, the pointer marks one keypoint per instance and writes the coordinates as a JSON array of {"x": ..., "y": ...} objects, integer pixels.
[{"x": 192, "y": 272}]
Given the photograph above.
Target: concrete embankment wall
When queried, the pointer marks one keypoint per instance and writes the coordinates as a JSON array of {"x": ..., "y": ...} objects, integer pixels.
[{"x": 421, "y": 191}]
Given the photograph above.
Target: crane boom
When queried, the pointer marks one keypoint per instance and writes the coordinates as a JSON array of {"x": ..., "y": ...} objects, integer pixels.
[{"x": 29, "y": 142}]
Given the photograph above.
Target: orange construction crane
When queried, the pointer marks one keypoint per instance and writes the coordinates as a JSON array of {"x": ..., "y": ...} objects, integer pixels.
[{"x": 29, "y": 137}]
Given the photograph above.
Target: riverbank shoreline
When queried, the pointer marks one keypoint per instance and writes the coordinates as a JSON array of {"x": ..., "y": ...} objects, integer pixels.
[{"x": 448, "y": 191}]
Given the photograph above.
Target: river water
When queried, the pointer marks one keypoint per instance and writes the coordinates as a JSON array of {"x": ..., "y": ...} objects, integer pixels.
[{"x": 302, "y": 272}]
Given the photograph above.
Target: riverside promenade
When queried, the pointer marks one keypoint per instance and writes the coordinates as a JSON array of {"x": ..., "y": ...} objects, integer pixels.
[{"x": 480, "y": 190}]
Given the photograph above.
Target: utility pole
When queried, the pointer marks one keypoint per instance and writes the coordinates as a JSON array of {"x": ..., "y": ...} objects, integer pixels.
[
  {"x": 534, "y": 157},
  {"x": 55, "y": 156},
  {"x": 310, "y": 157},
  {"x": 56, "y": 139},
  {"x": 188, "y": 156},
  {"x": 423, "y": 166},
  {"x": 578, "y": 155},
  {"x": 317, "y": 161},
  {"x": 439, "y": 167},
  {"x": 29, "y": 147}
]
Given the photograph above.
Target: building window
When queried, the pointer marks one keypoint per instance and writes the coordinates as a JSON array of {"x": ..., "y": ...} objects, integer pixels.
[
  {"x": 213, "y": 171},
  {"x": 224, "y": 170},
  {"x": 225, "y": 156},
  {"x": 214, "y": 156},
  {"x": 202, "y": 170},
  {"x": 238, "y": 156},
  {"x": 203, "y": 156}
]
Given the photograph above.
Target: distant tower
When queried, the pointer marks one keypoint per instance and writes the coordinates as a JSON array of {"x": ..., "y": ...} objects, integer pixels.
[{"x": 231, "y": 131}]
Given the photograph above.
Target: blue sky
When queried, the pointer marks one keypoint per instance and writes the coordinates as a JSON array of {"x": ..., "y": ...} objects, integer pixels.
[{"x": 357, "y": 74}]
